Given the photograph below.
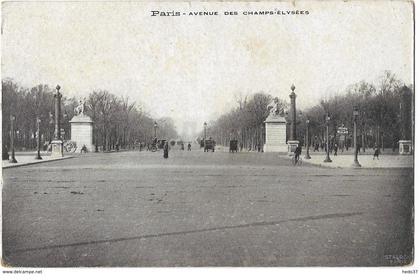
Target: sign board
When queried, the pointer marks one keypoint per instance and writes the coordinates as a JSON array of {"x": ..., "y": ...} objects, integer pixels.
[{"x": 343, "y": 130}]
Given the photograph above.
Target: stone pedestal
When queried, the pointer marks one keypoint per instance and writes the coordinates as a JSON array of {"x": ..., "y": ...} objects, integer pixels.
[
  {"x": 405, "y": 147},
  {"x": 275, "y": 134},
  {"x": 82, "y": 132},
  {"x": 57, "y": 149},
  {"x": 291, "y": 146}
]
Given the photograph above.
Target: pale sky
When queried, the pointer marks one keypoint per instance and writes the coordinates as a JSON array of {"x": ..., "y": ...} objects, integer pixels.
[{"x": 191, "y": 67}]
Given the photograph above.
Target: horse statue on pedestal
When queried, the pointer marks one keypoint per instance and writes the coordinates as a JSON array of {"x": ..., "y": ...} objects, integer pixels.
[
  {"x": 275, "y": 108},
  {"x": 80, "y": 109}
]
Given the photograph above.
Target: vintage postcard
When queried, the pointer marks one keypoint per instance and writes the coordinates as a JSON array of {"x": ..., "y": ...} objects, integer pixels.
[{"x": 203, "y": 134}]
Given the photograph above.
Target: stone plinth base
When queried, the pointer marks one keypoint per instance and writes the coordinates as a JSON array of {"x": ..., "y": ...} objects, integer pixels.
[
  {"x": 291, "y": 146},
  {"x": 57, "y": 150},
  {"x": 268, "y": 148},
  {"x": 82, "y": 132},
  {"x": 275, "y": 134},
  {"x": 405, "y": 147}
]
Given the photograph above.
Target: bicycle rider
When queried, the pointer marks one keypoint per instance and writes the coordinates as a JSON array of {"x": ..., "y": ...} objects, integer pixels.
[{"x": 298, "y": 151}]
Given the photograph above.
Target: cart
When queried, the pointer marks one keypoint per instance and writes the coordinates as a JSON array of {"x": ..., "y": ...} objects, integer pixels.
[
  {"x": 233, "y": 146},
  {"x": 209, "y": 145}
]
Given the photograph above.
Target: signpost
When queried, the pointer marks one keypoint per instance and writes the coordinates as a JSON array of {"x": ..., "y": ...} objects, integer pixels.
[{"x": 343, "y": 131}]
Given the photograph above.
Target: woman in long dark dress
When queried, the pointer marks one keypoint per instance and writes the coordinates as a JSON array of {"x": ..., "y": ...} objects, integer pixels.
[{"x": 165, "y": 150}]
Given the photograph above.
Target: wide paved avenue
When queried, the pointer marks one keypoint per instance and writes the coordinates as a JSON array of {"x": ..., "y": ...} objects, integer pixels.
[{"x": 204, "y": 209}]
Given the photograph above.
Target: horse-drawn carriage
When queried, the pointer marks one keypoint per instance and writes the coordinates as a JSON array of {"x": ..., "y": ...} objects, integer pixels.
[
  {"x": 209, "y": 144},
  {"x": 157, "y": 144},
  {"x": 233, "y": 146}
]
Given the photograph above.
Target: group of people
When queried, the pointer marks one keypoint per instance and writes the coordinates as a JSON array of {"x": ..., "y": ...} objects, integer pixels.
[
  {"x": 188, "y": 146},
  {"x": 166, "y": 149}
]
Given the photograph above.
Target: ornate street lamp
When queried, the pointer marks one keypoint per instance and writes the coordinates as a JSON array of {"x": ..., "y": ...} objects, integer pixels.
[
  {"x": 155, "y": 125},
  {"x": 327, "y": 158},
  {"x": 205, "y": 129},
  {"x": 38, "y": 143},
  {"x": 12, "y": 138},
  {"x": 356, "y": 163},
  {"x": 364, "y": 131},
  {"x": 307, "y": 156},
  {"x": 293, "y": 113}
]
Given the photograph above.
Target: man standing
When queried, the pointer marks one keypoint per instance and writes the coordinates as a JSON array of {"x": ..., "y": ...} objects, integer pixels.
[{"x": 376, "y": 152}]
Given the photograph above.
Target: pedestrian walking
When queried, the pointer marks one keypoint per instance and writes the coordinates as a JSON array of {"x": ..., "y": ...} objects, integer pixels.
[
  {"x": 83, "y": 149},
  {"x": 166, "y": 150},
  {"x": 189, "y": 147},
  {"x": 335, "y": 149},
  {"x": 298, "y": 151},
  {"x": 376, "y": 152},
  {"x": 316, "y": 147}
]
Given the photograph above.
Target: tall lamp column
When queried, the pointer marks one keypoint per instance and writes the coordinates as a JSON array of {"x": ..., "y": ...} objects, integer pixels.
[
  {"x": 292, "y": 142},
  {"x": 307, "y": 156},
  {"x": 327, "y": 158},
  {"x": 155, "y": 125},
  {"x": 205, "y": 129},
  {"x": 57, "y": 143},
  {"x": 356, "y": 163},
  {"x": 12, "y": 139},
  {"x": 38, "y": 143}
]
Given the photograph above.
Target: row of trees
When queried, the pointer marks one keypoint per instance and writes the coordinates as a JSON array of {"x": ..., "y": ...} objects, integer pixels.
[
  {"x": 385, "y": 116},
  {"x": 117, "y": 120},
  {"x": 244, "y": 123}
]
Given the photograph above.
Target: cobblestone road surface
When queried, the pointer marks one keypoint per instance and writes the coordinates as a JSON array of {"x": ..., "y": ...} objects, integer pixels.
[{"x": 204, "y": 209}]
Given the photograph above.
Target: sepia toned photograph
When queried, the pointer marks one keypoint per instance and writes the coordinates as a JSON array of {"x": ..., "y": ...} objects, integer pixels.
[{"x": 207, "y": 134}]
